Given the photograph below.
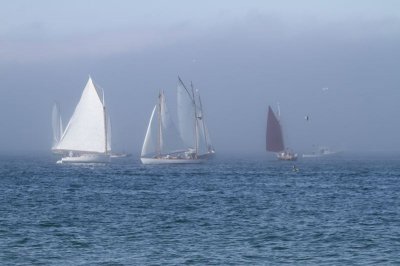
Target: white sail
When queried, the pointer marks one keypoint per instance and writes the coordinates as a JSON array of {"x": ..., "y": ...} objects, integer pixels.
[
  {"x": 201, "y": 142},
  {"x": 86, "y": 130},
  {"x": 57, "y": 125},
  {"x": 186, "y": 115},
  {"x": 170, "y": 139},
  {"x": 150, "y": 141}
]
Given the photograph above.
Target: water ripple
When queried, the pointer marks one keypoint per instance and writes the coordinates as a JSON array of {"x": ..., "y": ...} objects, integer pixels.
[{"x": 225, "y": 212}]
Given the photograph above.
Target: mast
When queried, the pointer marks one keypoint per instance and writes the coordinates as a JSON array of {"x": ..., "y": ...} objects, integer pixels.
[
  {"x": 61, "y": 126},
  {"x": 158, "y": 150},
  {"x": 202, "y": 121},
  {"x": 105, "y": 123},
  {"x": 105, "y": 128},
  {"x": 196, "y": 127}
]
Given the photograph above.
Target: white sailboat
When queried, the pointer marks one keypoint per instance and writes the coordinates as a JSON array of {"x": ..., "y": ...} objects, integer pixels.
[
  {"x": 274, "y": 138},
  {"x": 87, "y": 137},
  {"x": 164, "y": 144}
]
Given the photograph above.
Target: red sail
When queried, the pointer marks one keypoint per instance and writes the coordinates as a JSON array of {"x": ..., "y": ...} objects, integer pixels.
[{"x": 274, "y": 133}]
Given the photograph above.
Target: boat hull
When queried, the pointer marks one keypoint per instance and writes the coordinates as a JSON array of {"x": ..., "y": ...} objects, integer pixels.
[
  {"x": 122, "y": 155},
  {"x": 171, "y": 161},
  {"x": 319, "y": 155},
  {"x": 86, "y": 158},
  {"x": 288, "y": 159},
  {"x": 287, "y": 156},
  {"x": 311, "y": 155}
]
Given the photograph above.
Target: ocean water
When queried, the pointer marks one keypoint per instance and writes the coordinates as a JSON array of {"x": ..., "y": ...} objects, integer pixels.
[{"x": 230, "y": 211}]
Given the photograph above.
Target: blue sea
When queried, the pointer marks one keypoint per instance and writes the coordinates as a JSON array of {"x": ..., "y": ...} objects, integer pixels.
[{"x": 233, "y": 210}]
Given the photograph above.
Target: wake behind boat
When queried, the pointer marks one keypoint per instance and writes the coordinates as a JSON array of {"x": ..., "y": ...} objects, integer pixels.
[
  {"x": 165, "y": 144},
  {"x": 87, "y": 137},
  {"x": 85, "y": 158},
  {"x": 274, "y": 138}
]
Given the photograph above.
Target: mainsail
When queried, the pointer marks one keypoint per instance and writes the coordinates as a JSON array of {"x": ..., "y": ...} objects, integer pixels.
[
  {"x": 170, "y": 138},
  {"x": 186, "y": 115},
  {"x": 57, "y": 125},
  {"x": 87, "y": 130},
  {"x": 274, "y": 136}
]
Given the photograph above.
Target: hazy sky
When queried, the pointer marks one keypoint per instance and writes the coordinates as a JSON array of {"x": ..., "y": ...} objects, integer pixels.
[{"x": 241, "y": 55}]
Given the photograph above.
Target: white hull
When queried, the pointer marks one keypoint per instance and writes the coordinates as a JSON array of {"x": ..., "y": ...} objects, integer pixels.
[
  {"x": 122, "y": 155},
  {"x": 171, "y": 161},
  {"x": 320, "y": 153},
  {"x": 86, "y": 158},
  {"x": 287, "y": 156},
  {"x": 311, "y": 155}
]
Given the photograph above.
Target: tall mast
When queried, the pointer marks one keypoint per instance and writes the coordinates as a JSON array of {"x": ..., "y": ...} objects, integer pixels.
[
  {"x": 61, "y": 125},
  {"x": 159, "y": 124},
  {"x": 196, "y": 127},
  {"x": 105, "y": 127},
  {"x": 105, "y": 123},
  {"x": 202, "y": 120}
]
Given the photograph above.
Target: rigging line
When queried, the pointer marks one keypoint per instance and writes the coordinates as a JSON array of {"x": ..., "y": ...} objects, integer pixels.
[{"x": 183, "y": 84}]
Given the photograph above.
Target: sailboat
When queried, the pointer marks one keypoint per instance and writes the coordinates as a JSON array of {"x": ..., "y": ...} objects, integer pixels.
[
  {"x": 274, "y": 138},
  {"x": 165, "y": 144},
  {"x": 87, "y": 137},
  {"x": 162, "y": 143}
]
